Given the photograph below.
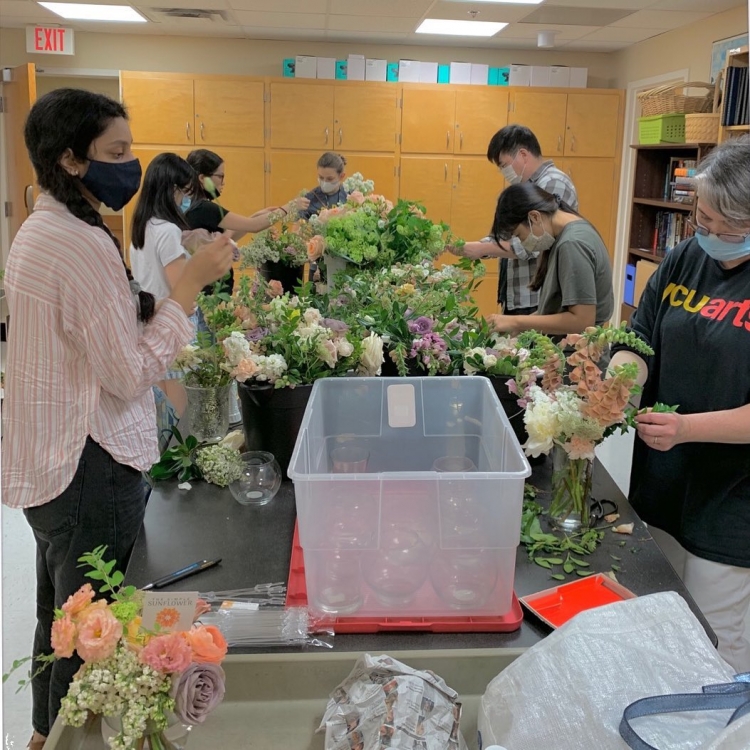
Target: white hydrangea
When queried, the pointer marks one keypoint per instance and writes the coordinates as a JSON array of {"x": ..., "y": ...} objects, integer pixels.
[{"x": 236, "y": 347}]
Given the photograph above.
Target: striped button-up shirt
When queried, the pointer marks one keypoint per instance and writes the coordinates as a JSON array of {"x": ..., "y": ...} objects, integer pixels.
[{"x": 79, "y": 362}]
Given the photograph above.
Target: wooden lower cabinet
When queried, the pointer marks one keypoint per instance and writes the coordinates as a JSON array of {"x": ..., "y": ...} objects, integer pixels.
[{"x": 485, "y": 296}]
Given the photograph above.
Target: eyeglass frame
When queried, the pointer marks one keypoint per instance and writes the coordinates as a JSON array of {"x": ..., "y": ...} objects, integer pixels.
[{"x": 736, "y": 239}]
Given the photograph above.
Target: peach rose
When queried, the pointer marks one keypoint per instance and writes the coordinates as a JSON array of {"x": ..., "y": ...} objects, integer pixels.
[
  {"x": 98, "y": 633},
  {"x": 77, "y": 602},
  {"x": 315, "y": 247},
  {"x": 275, "y": 289},
  {"x": 245, "y": 370},
  {"x": 168, "y": 654},
  {"x": 207, "y": 643},
  {"x": 63, "y": 637},
  {"x": 357, "y": 197}
]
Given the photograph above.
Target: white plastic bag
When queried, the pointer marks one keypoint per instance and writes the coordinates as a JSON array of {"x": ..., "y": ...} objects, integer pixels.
[{"x": 569, "y": 691}]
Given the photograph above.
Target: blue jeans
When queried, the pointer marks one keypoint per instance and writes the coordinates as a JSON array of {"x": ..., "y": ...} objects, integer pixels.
[{"x": 104, "y": 504}]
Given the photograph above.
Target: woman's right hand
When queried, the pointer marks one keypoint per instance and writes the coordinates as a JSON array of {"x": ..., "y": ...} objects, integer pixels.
[
  {"x": 298, "y": 204},
  {"x": 210, "y": 262}
]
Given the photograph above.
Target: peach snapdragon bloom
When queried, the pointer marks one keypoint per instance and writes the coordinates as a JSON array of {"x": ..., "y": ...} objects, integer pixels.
[
  {"x": 77, "y": 603},
  {"x": 246, "y": 369},
  {"x": 168, "y": 654},
  {"x": 98, "y": 632},
  {"x": 63, "y": 637},
  {"x": 315, "y": 247},
  {"x": 207, "y": 644},
  {"x": 606, "y": 405}
]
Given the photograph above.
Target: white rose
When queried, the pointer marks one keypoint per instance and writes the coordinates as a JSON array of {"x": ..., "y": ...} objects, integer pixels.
[
  {"x": 489, "y": 360},
  {"x": 327, "y": 352},
  {"x": 344, "y": 347},
  {"x": 372, "y": 355},
  {"x": 312, "y": 316},
  {"x": 469, "y": 368}
]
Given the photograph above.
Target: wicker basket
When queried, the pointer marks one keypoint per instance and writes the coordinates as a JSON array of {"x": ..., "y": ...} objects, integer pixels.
[
  {"x": 671, "y": 99},
  {"x": 702, "y": 128}
]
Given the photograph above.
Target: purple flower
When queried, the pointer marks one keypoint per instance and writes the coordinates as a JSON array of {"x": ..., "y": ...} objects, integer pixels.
[
  {"x": 257, "y": 334},
  {"x": 422, "y": 325},
  {"x": 197, "y": 692},
  {"x": 337, "y": 326}
]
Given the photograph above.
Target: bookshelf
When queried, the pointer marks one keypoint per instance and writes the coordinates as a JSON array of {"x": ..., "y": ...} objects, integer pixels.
[{"x": 733, "y": 102}]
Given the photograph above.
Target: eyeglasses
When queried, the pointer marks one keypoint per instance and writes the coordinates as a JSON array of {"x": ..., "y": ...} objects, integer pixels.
[
  {"x": 735, "y": 239},
  {"x": 217, "y": 176}
]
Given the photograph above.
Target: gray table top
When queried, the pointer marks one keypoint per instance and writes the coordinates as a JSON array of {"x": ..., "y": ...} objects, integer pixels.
[{"x": 255, "y": 546}]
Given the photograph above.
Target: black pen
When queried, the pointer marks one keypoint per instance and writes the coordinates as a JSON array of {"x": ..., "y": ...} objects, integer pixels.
[{"x": 178, "y": 575}]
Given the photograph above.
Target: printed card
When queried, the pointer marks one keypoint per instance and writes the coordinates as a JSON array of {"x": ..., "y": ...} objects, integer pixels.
[{"x": 167, "y": 611}]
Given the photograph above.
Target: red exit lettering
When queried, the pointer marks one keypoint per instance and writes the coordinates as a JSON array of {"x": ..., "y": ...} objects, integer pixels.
[{"x": 49, "y": 40}]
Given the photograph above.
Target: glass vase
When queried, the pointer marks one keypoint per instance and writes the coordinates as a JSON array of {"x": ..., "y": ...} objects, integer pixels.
[
  {"x": 208, "y": 412},
  {"x": 571, "y": 491},
  {"x": 174, "y": 737}
]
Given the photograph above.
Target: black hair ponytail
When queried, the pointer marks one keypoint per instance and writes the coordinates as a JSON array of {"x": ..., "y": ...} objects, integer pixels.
[{"x": 72, "y": 119}]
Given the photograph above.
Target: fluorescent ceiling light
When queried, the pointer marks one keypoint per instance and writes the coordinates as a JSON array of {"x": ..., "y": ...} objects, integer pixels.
[
  {"x": 459, "y": 28},
  {"x": 81, "y": 12}
]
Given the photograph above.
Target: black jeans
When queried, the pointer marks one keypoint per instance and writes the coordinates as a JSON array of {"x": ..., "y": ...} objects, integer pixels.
[{"x": 104, "y": 504}]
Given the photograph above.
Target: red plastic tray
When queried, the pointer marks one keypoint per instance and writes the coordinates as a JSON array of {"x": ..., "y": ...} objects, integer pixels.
[{"x": 297, "y": 597}]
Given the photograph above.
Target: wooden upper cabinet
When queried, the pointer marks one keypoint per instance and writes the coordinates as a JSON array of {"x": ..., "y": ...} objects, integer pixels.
[
  {"x": 365, "y": 118},
  {"x": 476, "y": 186},
  {"x": 380, "y": 168},
  {"x": 593, "y": 123},
  {"x": 292, "y": 172},
  {"x": 302, "y": 116},
  {"x": 428, "y": 121},
  {"x": 228, "y": 113},
  {"x": 545, "y": 114},
  {"x": 428, "y": 180},
  {"x": 161, "y": 109},
  {"x": 244, "y": 180},
  {"x": 480, "y": 113}
]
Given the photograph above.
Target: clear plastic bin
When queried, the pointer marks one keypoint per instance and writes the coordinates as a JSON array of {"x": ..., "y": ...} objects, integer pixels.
[{"x": 409, "y": 495}]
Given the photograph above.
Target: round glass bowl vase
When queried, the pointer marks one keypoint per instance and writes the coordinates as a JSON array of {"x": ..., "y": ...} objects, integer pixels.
[{"x": 260, "y": 480}]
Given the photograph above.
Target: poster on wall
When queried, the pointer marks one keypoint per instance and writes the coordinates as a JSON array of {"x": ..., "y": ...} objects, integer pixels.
[{"x": 721, "y": 48}]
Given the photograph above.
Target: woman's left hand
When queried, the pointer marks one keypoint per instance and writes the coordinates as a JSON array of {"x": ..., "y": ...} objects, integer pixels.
[
  {"x": 663, "y": 430},
  {"x": 502, "y": 323}
]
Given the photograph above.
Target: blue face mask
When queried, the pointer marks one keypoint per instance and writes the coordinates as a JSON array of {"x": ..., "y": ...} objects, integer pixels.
[
  {"x": 719, "y": 250},
  {"x": 113, "y": 183},
  {"x": 185, "y": 205}
]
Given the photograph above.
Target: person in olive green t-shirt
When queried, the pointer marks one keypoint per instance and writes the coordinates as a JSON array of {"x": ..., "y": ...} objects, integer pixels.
[{"x": 574, "y": 275}]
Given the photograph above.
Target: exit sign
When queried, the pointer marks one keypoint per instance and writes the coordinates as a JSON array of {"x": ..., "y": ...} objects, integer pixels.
[{"x": 49, "y": 40}]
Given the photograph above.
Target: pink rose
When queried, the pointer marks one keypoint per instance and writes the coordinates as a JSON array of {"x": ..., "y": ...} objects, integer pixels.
[
  {"x": 357, "y": 197},
  {"x": 245, "y": 370},
  {"x": 77, "y": 602},
  {"x": 168, "y": 654},
  {"x": 64, "y": 637},
  {"x": 98, "y": 632},
  {"x": 275, "y": 289},
  {"x": 315, "y": 247}
]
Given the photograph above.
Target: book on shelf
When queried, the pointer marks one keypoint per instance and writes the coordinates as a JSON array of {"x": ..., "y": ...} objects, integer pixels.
[
  {"x": 678, "y": 169},
  {"x": 736, "y": 107},
  {"x": 670, "y": 229}
]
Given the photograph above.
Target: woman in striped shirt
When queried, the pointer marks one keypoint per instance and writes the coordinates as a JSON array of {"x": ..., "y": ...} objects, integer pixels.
[{"x": 85, "y": 347}]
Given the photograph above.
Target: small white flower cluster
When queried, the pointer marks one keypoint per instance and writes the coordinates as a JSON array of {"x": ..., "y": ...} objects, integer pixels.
[
  {"x": 358, "y": 183},
  {"x": 119, "y": 686},
  {"x": 472, "y": 368},
  {"x": 219, "y": 464},
  {"x": 270, "y": 367}
]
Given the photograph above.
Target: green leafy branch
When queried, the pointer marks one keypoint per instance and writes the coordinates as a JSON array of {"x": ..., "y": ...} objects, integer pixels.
[
  {"x": 105, "y": 572},
  {"x": 178, "y": 461}
]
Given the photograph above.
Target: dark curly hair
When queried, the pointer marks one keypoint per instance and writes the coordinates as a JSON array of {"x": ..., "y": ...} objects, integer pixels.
[{"x": 72, "y": 119}]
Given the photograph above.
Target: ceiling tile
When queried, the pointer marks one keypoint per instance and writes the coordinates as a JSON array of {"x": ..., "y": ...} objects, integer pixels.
[
  {"x": 715, "y": 6},
  {"x": 591, "y": 16},
  {"x": 659, "y": 19},
  {"x": 531, "y": 30},
  {"x": 621, "y": 34},
  {"x": 190, "y": 4},
  {"x": 501, "y": 12},
  {"x": 398, "y": 8},
  {"x": 280, "y": 20},
  {"x": 631, "y": 5},
  {"x": 581, "y": 45},
  {"x": 368, "y": 37},
  {"x": 304, "y": 35},
  {"x": 368, "y": 24},
  {"x": 277, "y": 6}
]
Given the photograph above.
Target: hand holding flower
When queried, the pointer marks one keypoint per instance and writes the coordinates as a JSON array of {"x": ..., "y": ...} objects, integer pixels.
[{"x": 663, "y": 430}]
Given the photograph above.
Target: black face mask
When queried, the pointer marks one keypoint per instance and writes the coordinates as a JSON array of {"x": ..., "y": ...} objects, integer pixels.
[{"x": 113, "y": 183}]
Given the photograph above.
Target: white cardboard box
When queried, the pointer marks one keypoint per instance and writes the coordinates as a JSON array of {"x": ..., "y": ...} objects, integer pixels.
[
  {"x": 460, "y": 72},
  {"x": 305, "y": 66},
  {"x": 355, "y": 68},
  {"x": 560, "y": 76},
  {"x": 327, "y": 68},
  {"x": 376, "y": 70},
  {"x": 520, "y": 75},
  {"x": 428, "y": 72},
  {"x": 480, "y": 74},
  {"x": 541, "y": 75},
  {"x": 579, "y": 78},
  {"x": 408, "y": 71}
]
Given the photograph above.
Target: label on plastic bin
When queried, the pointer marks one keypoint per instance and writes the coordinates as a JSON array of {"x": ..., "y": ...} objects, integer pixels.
[{"x": 402, "y": 410}]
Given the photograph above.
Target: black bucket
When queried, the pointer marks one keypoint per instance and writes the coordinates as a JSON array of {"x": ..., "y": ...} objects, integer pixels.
[
  {"x": 289, "y": 276},
  {"x": 509, "y": 402}
]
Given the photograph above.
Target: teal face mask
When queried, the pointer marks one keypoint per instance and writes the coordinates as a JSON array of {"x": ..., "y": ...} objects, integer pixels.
[
  {"x": 720, "y": 250},
  {"x": 185, "y": 204}
]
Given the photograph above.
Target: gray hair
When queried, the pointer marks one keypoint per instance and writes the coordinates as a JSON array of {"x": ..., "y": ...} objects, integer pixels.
[
  {"x": 331, "y": 160},
  {"x": 723, "y": 179}
]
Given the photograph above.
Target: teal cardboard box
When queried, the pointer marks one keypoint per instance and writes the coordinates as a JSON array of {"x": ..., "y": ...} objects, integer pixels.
[
  {"x": 503, "y": 76},
  {"x": 444, "y": 73},
  {"x": 492, "y": 77},
  {"x": 341, "y": 70},
  {"x": 392, "y": 72},
  {"x": 288, "y": 69}
]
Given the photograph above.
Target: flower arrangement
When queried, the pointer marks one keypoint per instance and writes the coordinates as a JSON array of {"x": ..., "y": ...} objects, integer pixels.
[
  {"x": 284, "y": 242},
  {"x": 358, "y": 184},
  {"x": 144, "y": 678},
  {"x": 201, "y": 363}
]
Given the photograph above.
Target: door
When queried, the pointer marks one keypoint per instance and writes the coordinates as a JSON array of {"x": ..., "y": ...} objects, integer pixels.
[
  {"x": 480, "y": 112},
  {"x": 18, "y": 95},
  {"x": 365, "y": 118},
  {"x": 292, "y": 172},
  {"x": 428, "y": 181},
  {"x": 545, "y": 115},
  {"x": 228, "y": 113},
  {"x": 381, "y": 169},
  {"x": 593, "y": 123},
  {"x": 161, "y": 108},
  {"x": 596, "y": 185},
  {"x": 302, "y": 116},
  {"x": 428, "y": 121}
]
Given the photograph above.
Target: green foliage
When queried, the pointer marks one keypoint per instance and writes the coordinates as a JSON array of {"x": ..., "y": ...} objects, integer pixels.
[
  {"x": 105, "y": 572},
  {"x": 178, "y": 461},
  {"x": 355, "y": 236}
]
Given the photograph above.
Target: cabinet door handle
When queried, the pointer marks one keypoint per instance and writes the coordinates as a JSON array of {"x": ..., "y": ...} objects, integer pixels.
[
  {"x": 341, "y": 136},
  {"x": 447, "y": 138},
  {"x": 326, "y": 136},
  {"x": 559, "y": 143},
  {"x": 459, "y": 173},
  {"x": 445, "y": 172},
  {"x": 573, "y": 143},
  {"x": 461, "y": 141},
  {"x": 187, "y": 130},
  {"x": 203, "y": 138}
]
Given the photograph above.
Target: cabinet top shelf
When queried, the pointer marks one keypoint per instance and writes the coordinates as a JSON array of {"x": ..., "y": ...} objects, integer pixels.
[
  {"x": 672, "y": 146},
  {"x": 670, "y": 205}
]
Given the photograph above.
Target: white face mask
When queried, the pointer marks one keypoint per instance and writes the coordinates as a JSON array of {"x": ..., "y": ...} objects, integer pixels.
[
  {"x": 329, "y": 187},
  {"x": 510, "y": 174},
  {"x": 534, "y": 245}
]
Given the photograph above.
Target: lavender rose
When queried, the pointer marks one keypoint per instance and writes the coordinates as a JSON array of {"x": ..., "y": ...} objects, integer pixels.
[
  {"x": 197, "y": 692},
  {"x": 421, "y": 325},
  {"x": 256, "y": 334},
  {"x": 337, "y": 326}
]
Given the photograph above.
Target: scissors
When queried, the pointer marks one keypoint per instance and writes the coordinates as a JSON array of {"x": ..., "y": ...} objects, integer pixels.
[{"x": 601, "y": 508}]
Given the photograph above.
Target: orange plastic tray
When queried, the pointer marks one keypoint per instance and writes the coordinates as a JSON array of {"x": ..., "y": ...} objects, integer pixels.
[{"x": 297, "y": 597}]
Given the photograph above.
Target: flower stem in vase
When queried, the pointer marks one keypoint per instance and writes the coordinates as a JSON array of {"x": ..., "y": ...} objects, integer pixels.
[{"x": 571, "y": 490}]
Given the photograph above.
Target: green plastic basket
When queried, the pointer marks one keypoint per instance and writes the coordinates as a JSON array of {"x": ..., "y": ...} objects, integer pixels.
[{"x": 661, "y": 129}]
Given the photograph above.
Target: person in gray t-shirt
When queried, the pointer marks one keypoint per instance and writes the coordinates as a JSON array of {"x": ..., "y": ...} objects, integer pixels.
[{"x": 574, "y": 275}]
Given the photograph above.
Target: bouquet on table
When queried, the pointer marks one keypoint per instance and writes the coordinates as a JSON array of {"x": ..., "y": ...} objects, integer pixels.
[
  {"x": 284, "y": 242},
  {"x": 143, "y": 681}
]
